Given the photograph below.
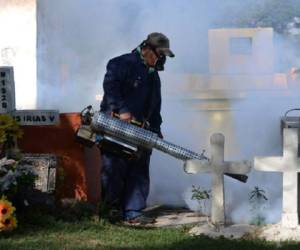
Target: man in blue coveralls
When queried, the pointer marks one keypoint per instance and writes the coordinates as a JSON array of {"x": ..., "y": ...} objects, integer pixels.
[{"x": 132, "y": 90}]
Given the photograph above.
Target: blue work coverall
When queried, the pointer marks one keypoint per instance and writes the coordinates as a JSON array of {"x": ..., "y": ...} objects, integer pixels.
[{"x": 129, "y": 86}]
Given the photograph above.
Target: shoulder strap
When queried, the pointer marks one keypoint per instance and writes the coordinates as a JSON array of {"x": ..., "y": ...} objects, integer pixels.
[{"x": 150, "y": 100}]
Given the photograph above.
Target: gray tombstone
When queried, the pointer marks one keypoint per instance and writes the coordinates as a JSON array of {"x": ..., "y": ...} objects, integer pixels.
[{"x": 7, "y": 83}]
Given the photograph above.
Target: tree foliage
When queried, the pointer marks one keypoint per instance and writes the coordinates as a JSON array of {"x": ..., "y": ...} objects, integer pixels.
[{"x": 260, "y": 13}]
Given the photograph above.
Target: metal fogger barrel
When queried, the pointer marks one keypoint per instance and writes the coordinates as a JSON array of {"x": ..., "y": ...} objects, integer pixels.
[{"x": 103, "y": 123}]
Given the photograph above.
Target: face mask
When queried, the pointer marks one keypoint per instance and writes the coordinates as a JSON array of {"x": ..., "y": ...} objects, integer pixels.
[{"x": 160, "y": 62}]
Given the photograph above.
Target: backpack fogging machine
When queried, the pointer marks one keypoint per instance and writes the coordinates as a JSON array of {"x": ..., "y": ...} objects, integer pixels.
[{"x": 127, "y": 139}]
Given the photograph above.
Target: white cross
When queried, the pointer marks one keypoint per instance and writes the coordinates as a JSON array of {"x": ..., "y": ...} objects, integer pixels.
[
  {"x": 289, "y": 165},
  {"x": 217, "y": 167}
]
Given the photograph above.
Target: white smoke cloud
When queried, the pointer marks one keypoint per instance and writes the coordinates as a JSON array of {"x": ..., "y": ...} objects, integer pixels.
[{"x": 77, "y": 37}]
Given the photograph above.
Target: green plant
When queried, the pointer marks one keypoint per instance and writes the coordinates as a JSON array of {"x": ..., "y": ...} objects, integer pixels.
[
  {"x": 201, "y": 196},
  {"x": 10, "y": 131}
]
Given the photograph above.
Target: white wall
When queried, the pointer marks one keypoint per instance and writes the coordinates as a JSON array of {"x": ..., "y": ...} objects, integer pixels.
[{"x": 18, "y": 47}]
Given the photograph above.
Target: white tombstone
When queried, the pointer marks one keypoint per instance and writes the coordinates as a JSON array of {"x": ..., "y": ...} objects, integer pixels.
[
  {"x": 217, "y": 167},
  {"x": 8, "y": 104},
  {"x": 289, "y": 165}
]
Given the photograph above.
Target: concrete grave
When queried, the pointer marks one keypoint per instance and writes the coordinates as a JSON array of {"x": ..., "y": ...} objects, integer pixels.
[
  {"x": 78, "y": 167},
  {"x": 217, "y": 167},
  {"x": 168, "y": 216},
  {"x": 48, "y": 132},
  {"x": 289, "y": 165},
  {"x": 245, "y": 51}
]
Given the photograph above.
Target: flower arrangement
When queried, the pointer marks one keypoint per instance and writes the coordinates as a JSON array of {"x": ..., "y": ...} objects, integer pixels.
[
  {"x": 14, "y": 176},
  {"x": 8, "y": 220}
]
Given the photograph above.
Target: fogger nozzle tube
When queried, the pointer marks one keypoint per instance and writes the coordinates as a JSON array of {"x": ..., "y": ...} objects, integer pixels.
[
  {"x": 138, "y": 136},
  {"x": 103, "y": 123}
]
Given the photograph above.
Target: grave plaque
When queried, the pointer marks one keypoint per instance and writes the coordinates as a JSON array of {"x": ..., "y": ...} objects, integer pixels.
[
  {"x": 36, "y": 117},
  {"x": 45, "y": 167}
]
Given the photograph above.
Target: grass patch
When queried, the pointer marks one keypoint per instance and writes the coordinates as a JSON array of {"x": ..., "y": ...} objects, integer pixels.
[{"x": 48, "y": 232}]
